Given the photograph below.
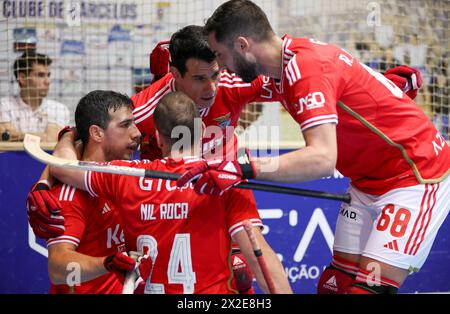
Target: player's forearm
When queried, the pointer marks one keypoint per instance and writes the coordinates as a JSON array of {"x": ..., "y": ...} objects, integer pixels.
[
  {"x": 316, "y": 160},
  {"x": 276, "y": 269},
  {"x": 65, "y": 148},
  {"x": 65, "y": 266},
  {"x": 301, "y": 165},
  {"x": 71, "y": 177}
]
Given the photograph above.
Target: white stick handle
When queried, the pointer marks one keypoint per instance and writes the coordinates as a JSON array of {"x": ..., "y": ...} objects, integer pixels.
[{"x": 131, "y": 277}]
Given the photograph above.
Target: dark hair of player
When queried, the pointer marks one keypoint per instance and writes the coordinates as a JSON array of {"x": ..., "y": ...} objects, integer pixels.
[
  {"x": 95, "y": 108},
  {"x": 189, "y": 42},
  {"x": 176, "y": 109},
  {"x": 24, "y": 63},
  {"x": 238, "y": 18}
]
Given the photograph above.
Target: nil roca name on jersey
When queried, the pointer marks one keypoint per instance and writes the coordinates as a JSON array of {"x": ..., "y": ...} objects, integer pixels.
[{"x": 165, "y": 211}]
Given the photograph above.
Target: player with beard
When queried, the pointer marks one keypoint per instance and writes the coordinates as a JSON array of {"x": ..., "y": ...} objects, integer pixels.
[
  {"x": 93, "y": 238},
  {"x": 219, "y": 95}
]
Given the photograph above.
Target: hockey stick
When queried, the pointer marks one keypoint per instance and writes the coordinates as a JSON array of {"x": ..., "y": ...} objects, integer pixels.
[
  {"x": 259, "y": 256},
  {"x": 32, "y": 146}
]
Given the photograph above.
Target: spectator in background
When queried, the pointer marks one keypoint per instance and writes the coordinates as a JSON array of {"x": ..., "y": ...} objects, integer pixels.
[{"x": 31, "y": 111}]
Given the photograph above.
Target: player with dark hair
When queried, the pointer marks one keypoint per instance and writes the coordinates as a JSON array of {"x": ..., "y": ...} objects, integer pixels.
[
  {"x": 93, "y": 238},
  {"x": 219, "y": 96},
  {"x": 187, "y": 236},
  {"x": 356, "y": 120}
]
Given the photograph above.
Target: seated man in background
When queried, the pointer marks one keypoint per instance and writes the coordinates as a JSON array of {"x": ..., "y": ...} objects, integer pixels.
[{"x": 31, "y": 111}]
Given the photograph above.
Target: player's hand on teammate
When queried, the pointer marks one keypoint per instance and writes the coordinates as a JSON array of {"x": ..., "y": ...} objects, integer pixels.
[
  {"x": 120, "y": 263},
  {"x": 68, "y": 129},
  {"x": 407, "y": 79},
  {"x": 145, "y": 267},
  {"x": 217, "y": 176},
  {"x": 43, "y": 211}
]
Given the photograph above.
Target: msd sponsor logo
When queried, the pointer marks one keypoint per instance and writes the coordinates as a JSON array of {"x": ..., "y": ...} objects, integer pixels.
[{"x": 311, "y": 101}]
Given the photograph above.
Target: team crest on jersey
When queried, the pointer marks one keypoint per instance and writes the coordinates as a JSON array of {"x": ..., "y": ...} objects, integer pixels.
[{"x": 224, "y": 120}]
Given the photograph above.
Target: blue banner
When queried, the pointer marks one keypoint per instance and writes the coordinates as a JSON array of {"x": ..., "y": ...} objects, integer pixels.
[{"x": 299, "y": 229}]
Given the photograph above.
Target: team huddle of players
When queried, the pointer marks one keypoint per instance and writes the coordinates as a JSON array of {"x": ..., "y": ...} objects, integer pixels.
[{"x": 190, "y": 233}]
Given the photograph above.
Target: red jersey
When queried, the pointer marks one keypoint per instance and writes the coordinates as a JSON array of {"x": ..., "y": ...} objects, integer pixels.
[
  {"x": 384, "y": 139},
  {"x": 92, "y": 225},
  {"x": 187, "y": 235},
  {"x": 232, "y": 95}
]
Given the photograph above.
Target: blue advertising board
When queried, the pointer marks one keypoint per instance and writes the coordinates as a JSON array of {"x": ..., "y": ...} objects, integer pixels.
[{"x": 299, "y": 229}]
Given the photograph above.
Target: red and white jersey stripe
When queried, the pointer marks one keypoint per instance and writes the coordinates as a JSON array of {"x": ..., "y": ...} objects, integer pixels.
[
  {"x": 231, "y": 80},
  {"x": 64, "y": 239},
  {"x": 67, "y": 192},
  {"x": 145, "y": 102},
  {"x": 239, "y": 226},
  {"x": 329, "y": 118}
]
